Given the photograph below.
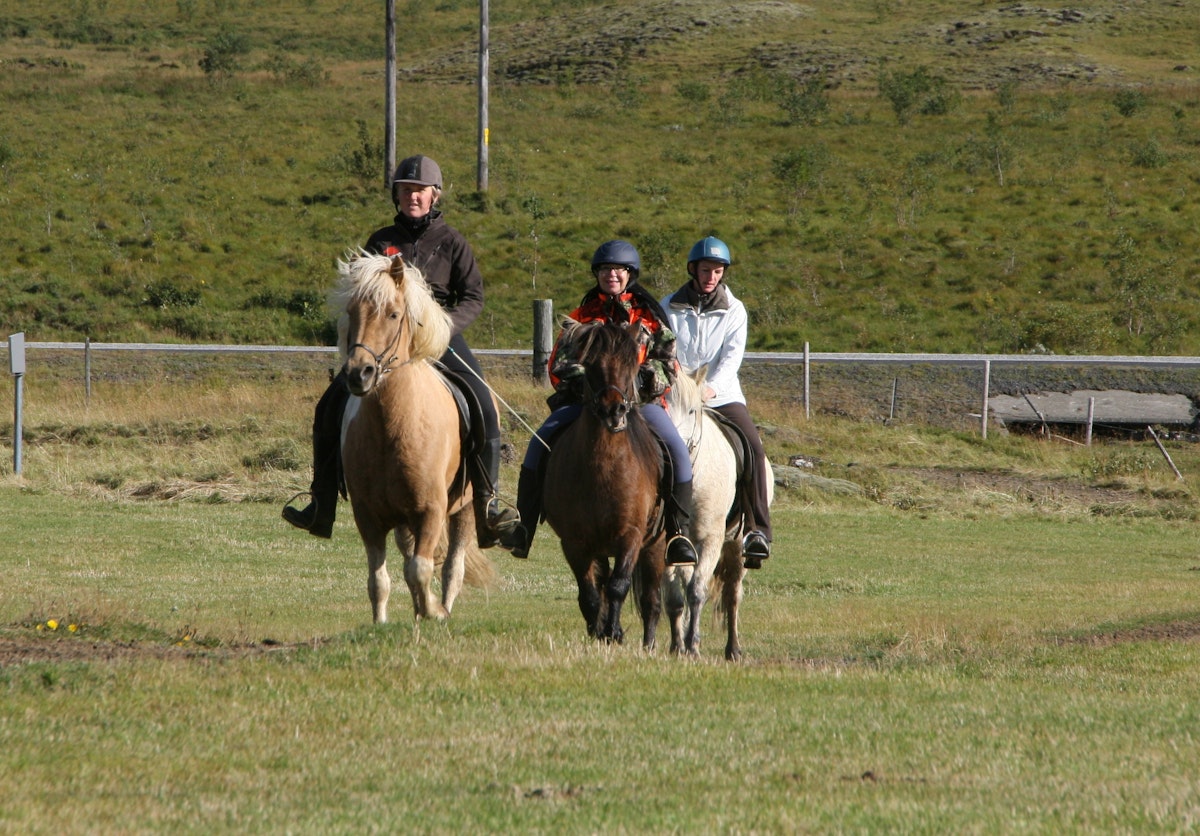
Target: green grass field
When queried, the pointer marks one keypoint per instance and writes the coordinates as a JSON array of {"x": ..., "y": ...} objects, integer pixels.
[
  {"x": 918, "y": 658},
  {"x": 902, "y": 674}
]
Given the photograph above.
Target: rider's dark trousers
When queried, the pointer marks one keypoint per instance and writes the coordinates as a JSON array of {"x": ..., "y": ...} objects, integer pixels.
[{"x": 738, "y": 414}]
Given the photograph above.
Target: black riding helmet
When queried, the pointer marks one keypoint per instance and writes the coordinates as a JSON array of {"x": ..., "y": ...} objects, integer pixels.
[{"x": 618, "y": 252}]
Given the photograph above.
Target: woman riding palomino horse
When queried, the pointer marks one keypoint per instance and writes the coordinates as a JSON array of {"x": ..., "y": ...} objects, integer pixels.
[
  {"x": 617, "y": 297},
  {"x": 424, "y": 240},
  {"x": 402, "y": 448},
  {"x": 710, "y": 326}
]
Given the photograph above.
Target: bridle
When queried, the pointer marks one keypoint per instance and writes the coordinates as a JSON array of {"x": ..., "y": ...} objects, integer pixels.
[
  {"x": 383, "y": 367},
  {"x": 595, "y": 403}
]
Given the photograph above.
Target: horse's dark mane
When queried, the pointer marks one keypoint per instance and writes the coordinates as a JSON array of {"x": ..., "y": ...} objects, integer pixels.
[{"x": 601, "y": 341}]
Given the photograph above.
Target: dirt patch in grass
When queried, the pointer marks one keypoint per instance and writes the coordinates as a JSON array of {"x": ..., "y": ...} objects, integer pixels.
[
  {"x": 1031, "y": 487},
  {"x": 1171, "y": 631},
  {"x": 31, "y": 649}
]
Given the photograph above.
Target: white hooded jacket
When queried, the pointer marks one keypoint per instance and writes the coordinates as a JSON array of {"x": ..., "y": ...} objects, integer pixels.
[{"x": 710, "y": 332}]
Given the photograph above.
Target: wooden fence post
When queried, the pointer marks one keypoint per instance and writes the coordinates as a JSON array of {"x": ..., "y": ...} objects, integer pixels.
[{"x": 543, "y": 339}]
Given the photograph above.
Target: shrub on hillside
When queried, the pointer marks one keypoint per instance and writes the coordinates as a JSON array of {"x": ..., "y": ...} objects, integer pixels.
[
  {"x": 917, "y": 91},
  {"x": 221, "y": 55},
  {"x": 804, "y": 103}
]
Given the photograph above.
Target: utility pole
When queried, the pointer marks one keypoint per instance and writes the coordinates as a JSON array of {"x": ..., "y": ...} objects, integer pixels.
[
  {"x": 482, "y": 179},
  {"x": 389, "y": 109}
]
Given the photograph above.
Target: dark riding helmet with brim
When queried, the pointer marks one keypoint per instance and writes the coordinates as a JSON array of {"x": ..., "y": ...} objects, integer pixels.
[
  {"x": 709, "y": 249},
  {"x": 618, "y": 252},
  {"x": 418, "y": 170}
]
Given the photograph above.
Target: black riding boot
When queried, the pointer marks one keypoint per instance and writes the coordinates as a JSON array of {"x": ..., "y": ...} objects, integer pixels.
[
  {"x": 491, "y": 520},
  {"x": 519, "y": 538},
  {"x": 755, "y": 549},
  {"x": 678, "y": 512},
  {"x": 318, "y": 516}
]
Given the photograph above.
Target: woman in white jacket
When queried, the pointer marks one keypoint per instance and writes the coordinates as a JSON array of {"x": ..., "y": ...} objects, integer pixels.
[{"x": 710, "y": 327}]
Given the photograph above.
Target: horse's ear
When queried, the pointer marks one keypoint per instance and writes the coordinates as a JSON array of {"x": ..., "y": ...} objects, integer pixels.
[{"x": 397, "y": 269}]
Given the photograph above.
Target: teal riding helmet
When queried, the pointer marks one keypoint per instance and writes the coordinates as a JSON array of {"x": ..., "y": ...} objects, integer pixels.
[{"x": 709, "y": 249}]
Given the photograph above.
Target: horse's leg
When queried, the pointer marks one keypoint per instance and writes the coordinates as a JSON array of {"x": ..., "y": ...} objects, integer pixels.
[
  {"x": 697, "y": 594},
  {"x": 733, "y": 573},
  {"x": 650, "y": 568},
  {"x": 418, "y": 567},
  {"x": 617, "y": 586},
  {"x": 462, "y": 527},
  {"x": 674, "y": 581},
  {"x": 584, "y": 568},
  {"x": 379, "y": 584}
]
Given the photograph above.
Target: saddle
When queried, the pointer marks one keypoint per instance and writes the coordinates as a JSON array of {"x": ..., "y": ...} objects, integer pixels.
[
  {"x": 470, "y": 425},
  {"x": 747, "y": 468},
  {"x": 470, "y": 417}
]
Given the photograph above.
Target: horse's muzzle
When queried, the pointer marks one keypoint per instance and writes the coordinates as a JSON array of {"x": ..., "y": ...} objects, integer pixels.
[{"x": 360, "y": 381}]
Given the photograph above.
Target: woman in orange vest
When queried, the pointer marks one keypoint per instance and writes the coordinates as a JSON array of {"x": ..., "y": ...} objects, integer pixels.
[{"x": 615, "y": 266}]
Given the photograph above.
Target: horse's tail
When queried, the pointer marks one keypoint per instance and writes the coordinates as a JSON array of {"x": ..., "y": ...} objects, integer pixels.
[
  {"x": 728, "y": 573},
  {"x": 479, "y": 569}
]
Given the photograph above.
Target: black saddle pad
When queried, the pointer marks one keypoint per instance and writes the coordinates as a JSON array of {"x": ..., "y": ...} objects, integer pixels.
[{"x": 470, "y": 415}]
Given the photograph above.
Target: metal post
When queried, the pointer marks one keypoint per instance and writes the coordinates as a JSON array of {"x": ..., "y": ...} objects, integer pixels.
[
  {"x": 543, "y": 339},
  {"x": 16, "y": 361},
  {"x": 987, "y": 385},
  {"x": 87, "y": 371},
  {"x": 1087, "y": 440},
  {"x": 807, "y": 411}
]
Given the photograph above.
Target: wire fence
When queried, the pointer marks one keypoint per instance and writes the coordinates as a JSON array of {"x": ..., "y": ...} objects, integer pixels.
[{"x": 949, "y": 390}]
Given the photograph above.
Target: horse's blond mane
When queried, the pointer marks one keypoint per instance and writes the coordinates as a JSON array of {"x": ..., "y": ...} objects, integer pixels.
[{"x": 365, "y": 277}]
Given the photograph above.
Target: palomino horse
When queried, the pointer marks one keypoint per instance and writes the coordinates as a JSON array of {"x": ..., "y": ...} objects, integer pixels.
[
  {"x": 718, "y": 545},
  {"x": 401, "y": 451},
  {"x": 601, "y": 487}
]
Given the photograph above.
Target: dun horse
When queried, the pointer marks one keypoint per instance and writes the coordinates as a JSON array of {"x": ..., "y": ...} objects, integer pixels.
[
  {"x": 601, "y": 488},
  {"x": 401, "y": 450},
  {"x": 718, "y": 544}
]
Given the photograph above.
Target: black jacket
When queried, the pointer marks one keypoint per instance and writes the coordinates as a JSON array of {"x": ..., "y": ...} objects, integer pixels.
[{"x": 442, "y": 253}]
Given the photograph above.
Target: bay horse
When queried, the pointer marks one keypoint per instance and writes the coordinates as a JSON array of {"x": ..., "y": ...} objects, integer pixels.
[
  {"x": 601, "y": 487},
  {"x": 716, "y": 533},
  {"x": 401, "y": 448}
]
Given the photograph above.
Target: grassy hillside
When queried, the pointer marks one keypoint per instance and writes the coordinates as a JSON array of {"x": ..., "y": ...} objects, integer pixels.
[{"x": 891, "y": 176}]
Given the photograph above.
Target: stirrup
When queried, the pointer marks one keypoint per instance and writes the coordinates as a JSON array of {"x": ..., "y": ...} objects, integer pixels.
[
  {"x": 755, "y": 545},
  {"x": 498, "y": 519},
  {"x": 755, "y": 549},
  {"x": 680, "y": 551}
]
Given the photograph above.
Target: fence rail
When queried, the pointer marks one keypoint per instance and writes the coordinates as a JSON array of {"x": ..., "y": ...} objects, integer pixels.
[{"x": 1148, "y": 362}]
